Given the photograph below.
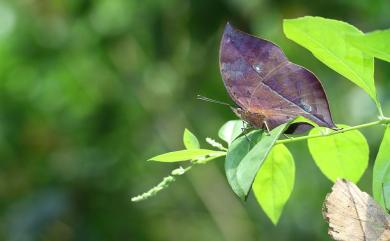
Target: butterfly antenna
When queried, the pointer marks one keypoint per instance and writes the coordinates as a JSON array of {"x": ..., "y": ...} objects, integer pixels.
[{"x": 201, "y": 97}]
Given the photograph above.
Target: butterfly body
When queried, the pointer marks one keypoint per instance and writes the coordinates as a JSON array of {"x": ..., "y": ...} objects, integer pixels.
[
  {"x": 255, "y": 120},
  {"x": 266, "y": 86}
]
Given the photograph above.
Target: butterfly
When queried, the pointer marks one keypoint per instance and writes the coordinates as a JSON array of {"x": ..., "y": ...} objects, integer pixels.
[
  {"x": 269, "y": 89},
  {"x": 353, "y": 215}
]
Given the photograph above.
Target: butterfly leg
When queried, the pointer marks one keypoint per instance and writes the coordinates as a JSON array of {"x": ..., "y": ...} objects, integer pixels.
[
  {"x": 244, "y": 129},
  {"x": 266, "y": 128},
  {"x": 337, "y": 129}
]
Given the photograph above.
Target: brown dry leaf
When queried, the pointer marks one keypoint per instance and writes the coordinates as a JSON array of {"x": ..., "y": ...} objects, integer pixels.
[{"x": 353, "y": 215}]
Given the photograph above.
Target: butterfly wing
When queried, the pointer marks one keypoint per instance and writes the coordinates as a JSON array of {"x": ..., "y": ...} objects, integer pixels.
[{"x": 260, "y": 79}]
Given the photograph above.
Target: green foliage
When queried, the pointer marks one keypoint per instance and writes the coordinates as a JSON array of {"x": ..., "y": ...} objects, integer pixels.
[
  {"x": 327, "y": 39},
  {"x": 259, "y": 160},
  {"x": 192, "y": 153},
  {"x": 185, "y": 155},
  {"x": 238, "y": 149},
  {"x": 340, "y": 156},
  {"x": 231, "y": 130},
  {"x": 275, "y": 181},
  {"x": 381, "y": 172},
  {"x": 251, "y": 163},
  {"x": 376, "y": 44},
  {"x": 190, "y": 140}
]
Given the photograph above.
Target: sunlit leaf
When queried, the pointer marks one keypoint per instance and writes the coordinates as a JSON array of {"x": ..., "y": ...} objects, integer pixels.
[
  {"x": 237, "y": 151},
  {"x": 190, "y": 141},
  {"x": 344, "y": 155},
  {"x": 376, "y": 43},
  {"x": 251, "y": 163},
  {"x": 327, "y": 40},
  {"x": 185, "y": 155},
  {"x": 381, "y": 174},
  {"x": 231, "y": 130},
  {"x": 275, "y": 181}
]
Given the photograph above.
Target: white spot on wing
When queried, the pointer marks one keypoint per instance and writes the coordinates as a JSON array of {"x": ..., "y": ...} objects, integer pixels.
[
  {"x": 305, "y": 106},
  {"x": 258, "y": 68}
]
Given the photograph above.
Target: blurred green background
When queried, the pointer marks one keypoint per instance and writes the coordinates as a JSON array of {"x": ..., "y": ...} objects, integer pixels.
[{"x": 91, "y": 89}]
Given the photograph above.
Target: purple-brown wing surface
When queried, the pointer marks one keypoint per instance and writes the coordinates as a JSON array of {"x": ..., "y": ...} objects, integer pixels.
[{"x": 261, "y": 80}]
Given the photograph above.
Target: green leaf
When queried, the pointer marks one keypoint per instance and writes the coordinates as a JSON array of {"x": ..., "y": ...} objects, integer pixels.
[
  {"x": 376, "y": 43},
  {"x": 275, "y": 181},
  {"x": 190, "y": 141},
  {"x": 251, "y": 163},
  {"x": 327, "y": 40},
  {"x": 237, "y": 151},
  {"x": 231, "y": 130},
  {"x": 185, "y": 155},
  {"x": 381, "y": 174},
  {"x": 344, "y": 155},
  {"x": 301, "y": 119}
]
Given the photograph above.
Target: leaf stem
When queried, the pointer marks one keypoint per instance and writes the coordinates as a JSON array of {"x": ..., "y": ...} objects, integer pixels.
[
  {"x": 381, "y": 116},
  {"x": 381, "y": 121}
]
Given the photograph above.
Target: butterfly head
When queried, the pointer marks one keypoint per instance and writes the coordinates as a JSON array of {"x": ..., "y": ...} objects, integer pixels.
[
  {"x": 253, "y": 119},
  {"x": 238, "y": 111}
]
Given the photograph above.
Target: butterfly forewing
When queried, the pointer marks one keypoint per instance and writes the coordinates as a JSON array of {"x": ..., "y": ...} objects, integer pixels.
[{"x": 243, "y": 59}]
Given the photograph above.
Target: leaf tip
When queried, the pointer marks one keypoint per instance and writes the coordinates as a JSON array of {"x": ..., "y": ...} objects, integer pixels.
[
  {"x": 190, "y": 141},
  {"x": 274, "y": 220}
]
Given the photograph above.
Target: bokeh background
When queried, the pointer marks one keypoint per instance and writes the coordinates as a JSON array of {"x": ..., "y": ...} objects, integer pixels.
[{"x": 89, "y": 90}]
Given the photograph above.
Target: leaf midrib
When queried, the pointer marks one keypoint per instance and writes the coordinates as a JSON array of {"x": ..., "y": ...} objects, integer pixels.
[{"x": 377, "y": 53}]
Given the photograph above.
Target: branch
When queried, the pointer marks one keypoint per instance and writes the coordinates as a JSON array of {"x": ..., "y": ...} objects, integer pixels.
[
  {"x": 180, "y": 171},
  {"x": 382, "y": 121}
]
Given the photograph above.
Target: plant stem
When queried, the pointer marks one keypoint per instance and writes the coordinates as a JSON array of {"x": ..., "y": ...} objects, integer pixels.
[
  {"x": 180, "y": 171},
  {"x": 301, "y": 138}
]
